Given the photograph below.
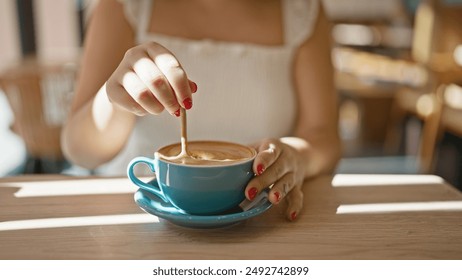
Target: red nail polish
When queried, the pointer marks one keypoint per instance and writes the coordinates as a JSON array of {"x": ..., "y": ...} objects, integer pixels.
[
  {"x": 293, "y": 216},
  {"x": 260, "y": 169},
  {"x": 193, "y": 87},
  {"x": 278, "y": 196},
  {"x": 158, "y": 82},
  {"x": 177, "y": 113},
  {"x": 252, "y": 193},
  {"x": 187, "y": 103}
]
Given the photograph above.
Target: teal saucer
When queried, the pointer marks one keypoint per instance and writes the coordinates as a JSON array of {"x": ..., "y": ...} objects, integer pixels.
[{"x": 151, "y": 204}]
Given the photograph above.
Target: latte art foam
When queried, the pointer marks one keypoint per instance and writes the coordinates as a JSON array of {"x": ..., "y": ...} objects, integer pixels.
[{"x": 207, "y": 153}]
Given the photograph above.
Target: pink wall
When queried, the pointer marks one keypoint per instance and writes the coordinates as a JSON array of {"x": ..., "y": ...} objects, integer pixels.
[
  {"x": 9, "y": 36},
  {"x": 56, "y": 29}
]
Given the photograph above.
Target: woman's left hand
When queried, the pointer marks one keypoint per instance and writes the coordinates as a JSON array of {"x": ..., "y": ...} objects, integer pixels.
[{"x": 281, "y": 166}]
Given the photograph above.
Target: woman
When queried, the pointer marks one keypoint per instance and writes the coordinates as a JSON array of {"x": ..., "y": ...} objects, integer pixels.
[{"x": 261, "y": 68}]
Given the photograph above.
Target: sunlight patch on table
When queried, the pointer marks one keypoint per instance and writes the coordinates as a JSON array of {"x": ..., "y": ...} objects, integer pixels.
[
  {"x": 400, "y": 207},
  {"x": 361, "y": 180},
  {"x": 78, "y": 221},
  {"x": 73, "y": 187}
]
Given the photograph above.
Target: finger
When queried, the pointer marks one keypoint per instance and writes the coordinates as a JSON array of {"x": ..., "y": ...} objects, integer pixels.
[
  {"x": 176, "y": 77},
  {"x": 140, "y": 93},
  {"x": 294, "y": 203},
  {"x": 268, "y": 153},
  {"x": 174, "y": 73},
  {"x": 258, "y": 183},
  {"x": 118, "y": 95},
  {"x": 282, "y": 188},
  {"x": 192, "y": 86},
  {"x": 157, "y": 83}
]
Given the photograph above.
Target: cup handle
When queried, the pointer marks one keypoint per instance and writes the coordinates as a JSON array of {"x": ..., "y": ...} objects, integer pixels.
[{"x": 152, "y": 188}]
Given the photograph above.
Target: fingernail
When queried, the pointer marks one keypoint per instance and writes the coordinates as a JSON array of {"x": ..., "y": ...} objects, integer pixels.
[
  {"x": 252, "y": 193},
  {"x": 177, "y": 113},
  {"x": 260, "y": 169},
  {"x": 187, "y": 103},
  {"x": 193, "y": 87},
  {"x": 159, "y": 82},
  {"x": 278, "y": 196},
  {"x": 293, "y": 216}
]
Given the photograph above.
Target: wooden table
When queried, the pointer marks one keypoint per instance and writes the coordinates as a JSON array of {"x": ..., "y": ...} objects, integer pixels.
[{"x": 345, "y": 217}]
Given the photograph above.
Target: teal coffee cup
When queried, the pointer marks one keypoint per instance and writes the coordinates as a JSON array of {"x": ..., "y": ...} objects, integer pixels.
[{"x": 209, "y": 182}]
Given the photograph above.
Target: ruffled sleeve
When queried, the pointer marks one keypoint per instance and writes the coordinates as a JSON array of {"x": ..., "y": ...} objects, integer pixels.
[
  {"x": 300, "y": 19},
  {"x": 132, "y": 10}
]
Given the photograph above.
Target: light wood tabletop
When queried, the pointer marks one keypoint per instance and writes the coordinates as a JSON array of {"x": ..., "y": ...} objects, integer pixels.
[{"x": 345, "y": 217}]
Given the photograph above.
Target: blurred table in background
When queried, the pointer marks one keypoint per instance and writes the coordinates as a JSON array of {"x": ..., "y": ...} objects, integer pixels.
[
  {"x": 364, "y": 113},
  {"x": 368, "y": 83}
]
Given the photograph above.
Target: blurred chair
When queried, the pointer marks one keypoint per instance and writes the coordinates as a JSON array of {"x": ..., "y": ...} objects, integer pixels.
[
  {"x": 39, "y": 95},
  {"x": 437, "y": 33},
  {"x": 451, "y": 113},
  {"x": 450, "y": 154},
  {"x": 12, "y": 149}
]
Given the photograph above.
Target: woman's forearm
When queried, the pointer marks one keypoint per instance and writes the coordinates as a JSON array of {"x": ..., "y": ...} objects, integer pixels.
[{"x": 96, "y": 132}]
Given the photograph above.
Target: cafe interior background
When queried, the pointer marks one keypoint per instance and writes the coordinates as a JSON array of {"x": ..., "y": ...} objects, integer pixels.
[{"x": 398, "y": 73}]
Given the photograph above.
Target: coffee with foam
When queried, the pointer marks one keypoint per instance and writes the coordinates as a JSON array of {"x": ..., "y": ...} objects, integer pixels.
[{"x": 207, "y": 153}]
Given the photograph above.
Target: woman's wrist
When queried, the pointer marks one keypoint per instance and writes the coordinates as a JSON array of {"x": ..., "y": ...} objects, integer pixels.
[{"x": 316, "y": 158}]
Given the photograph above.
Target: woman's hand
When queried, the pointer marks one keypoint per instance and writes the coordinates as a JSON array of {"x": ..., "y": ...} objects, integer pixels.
[
  {"x": 150, "y": 79},
  {"x": 281, "y": 166}
]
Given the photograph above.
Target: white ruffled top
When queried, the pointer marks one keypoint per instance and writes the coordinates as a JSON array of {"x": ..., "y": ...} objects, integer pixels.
[{"x": 246, "y": 91}]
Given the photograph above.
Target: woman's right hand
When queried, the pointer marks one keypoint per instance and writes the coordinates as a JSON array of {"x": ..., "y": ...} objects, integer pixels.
[{"x": 150, "y": 79}]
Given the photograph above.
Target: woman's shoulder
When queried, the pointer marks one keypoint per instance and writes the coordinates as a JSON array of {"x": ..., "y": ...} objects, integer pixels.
[{"x": 300, "y": 17}]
